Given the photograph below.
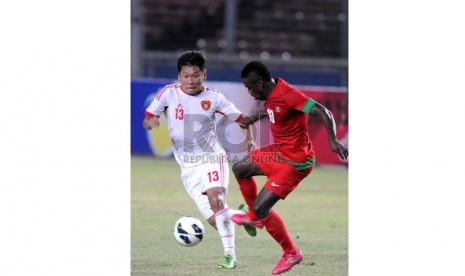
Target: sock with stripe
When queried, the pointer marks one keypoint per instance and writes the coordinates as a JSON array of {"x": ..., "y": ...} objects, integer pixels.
[
  {"x": 248, "y": 188},
  {"x": 275, "y": 226},
  {"x": 226, "y": 231}
]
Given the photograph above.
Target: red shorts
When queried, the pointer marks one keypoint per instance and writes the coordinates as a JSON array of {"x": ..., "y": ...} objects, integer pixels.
[{"x": 283, "y": 178}]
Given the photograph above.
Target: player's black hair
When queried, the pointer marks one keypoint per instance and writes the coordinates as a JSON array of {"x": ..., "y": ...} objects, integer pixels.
[
  {"x": 259, "y": 68},
  {"x": 192, "y": 58}
]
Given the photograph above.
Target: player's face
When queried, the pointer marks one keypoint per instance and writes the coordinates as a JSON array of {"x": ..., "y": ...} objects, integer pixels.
[
  {"x": 192, "y": 78},
  {"x": 255, "y": 88}
]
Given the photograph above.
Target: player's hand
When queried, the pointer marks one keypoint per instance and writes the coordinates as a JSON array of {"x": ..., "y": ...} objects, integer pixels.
[
  {"x": 150, "y": 123},
  {"x": 339, "y": 148},
  {"x": 246, "y": 122},
  {"x": 251, "y": 146}
]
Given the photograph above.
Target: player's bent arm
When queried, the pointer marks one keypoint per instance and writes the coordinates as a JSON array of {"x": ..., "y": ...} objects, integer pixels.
[
  {"x": 326, "y": 116},
  {"x": 245, "y": 123}
]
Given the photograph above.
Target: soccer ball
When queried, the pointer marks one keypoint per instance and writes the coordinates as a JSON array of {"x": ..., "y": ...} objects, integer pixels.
[{"x": 188, "y": 231}]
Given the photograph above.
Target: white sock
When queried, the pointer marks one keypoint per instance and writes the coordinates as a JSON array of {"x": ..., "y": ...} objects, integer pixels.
[
  {"x": 226, "y": 231},
  {"x": 234, "y": 211}
]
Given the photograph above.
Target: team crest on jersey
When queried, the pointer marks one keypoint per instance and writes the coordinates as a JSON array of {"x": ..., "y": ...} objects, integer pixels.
[
  {"x": 278, "y": 108},
  {"x": 206, "y": 104}
]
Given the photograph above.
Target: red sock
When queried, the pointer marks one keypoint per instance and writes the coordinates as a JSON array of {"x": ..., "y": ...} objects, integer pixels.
[
  {"x": 248, "y": 189},
  {"x": 277, "y": 229}
]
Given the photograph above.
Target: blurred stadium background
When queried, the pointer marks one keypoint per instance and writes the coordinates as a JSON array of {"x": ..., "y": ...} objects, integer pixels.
[{"x": 303, "y": 41}]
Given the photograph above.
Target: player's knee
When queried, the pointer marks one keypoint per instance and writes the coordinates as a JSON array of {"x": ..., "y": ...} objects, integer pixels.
[
  {"x": 236, "y": 169},
  {"x": 239, "y": 170},
  {"x": 217, "y": 202}
]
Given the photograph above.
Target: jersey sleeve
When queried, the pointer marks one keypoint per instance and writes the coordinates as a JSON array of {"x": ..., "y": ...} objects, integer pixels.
[
  {"x": 228, "y": 109},
  {"x": 158, "y": 104},
  {"x": 298, "y": 100}
]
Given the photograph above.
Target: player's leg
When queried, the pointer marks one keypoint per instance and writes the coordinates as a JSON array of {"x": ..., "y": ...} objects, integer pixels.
[
  {"x": 246, "y": 169},
  {"x": 216, "y": 180},
  {"x": 272, "y": 221},
  {"x": 212, "y": 221},
  {"x": 279, "y": 186},
  {"x": 244, "y": 172},
  {"x": 194, "y": 181},
  {"x": 193, "y": 184},
  {"x": 247, "y": 185},
  {"x": 275, "y": 226},
  {"x": 263, "y": 203},
  {"x": 283, "y": 179},
  {"x": 226, "y": 230}
]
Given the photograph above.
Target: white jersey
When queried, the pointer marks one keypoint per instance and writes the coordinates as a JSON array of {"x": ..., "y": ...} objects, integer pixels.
[{"x": 191, "y": 122}]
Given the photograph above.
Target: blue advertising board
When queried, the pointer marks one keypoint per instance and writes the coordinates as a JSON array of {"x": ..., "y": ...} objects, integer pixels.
[{"x": 142, "y": 92}]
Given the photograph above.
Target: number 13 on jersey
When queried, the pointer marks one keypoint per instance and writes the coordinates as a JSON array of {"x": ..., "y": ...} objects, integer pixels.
[
  {"x": 213, "y": 176},
  {"x": 179, "y": 113}
]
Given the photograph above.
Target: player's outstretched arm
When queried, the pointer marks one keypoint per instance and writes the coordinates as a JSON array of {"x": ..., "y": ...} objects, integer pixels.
[
  {"x": 150, "y": 123},
  {"x": 326, "y": 116}
]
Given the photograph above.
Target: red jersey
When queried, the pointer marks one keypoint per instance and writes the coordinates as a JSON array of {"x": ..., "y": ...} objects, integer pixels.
[{"x": 288, "y": 122}]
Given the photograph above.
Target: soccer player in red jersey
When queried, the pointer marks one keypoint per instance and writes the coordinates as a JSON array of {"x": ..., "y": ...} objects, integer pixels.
[{"x": 285, "y": 162}]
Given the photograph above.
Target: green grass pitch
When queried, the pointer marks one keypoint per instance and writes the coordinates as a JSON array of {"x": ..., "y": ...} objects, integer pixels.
[{"x": 316, "y": 215}]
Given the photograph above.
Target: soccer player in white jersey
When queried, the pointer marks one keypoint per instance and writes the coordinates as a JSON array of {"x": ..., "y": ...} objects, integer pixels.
[{"x": 190, "y": 109}]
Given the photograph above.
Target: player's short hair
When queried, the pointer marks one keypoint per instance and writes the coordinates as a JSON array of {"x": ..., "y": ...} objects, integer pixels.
[
  {"x": 258, "y": 68},
  {"x": 192, "y": 58}
]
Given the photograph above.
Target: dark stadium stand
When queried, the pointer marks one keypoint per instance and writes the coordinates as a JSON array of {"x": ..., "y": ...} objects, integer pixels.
[{"x": 293, "y": 28}]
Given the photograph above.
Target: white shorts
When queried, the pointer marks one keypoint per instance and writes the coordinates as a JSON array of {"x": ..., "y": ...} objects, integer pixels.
[{"x": 197, "y": 180}]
